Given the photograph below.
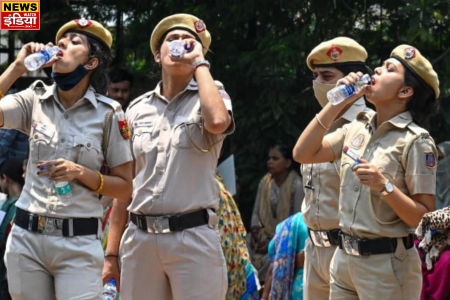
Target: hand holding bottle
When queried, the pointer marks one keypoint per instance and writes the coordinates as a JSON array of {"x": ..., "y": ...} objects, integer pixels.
[
  {"x": 349, "y": 88},
  {"x": 29, "y": 49}
]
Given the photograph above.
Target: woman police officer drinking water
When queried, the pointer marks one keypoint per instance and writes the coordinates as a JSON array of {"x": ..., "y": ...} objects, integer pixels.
[
  {"x": 53, "y": 251},
  {"x": 171, "y": 247},
  {"x": 382, "y": 198}
]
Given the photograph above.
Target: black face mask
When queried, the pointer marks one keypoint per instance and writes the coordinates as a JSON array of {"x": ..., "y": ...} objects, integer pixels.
[{"x": 66, "y": 81}]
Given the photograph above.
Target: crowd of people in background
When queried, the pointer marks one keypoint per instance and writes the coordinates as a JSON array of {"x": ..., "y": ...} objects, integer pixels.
[{"x": 100, "y": 187}]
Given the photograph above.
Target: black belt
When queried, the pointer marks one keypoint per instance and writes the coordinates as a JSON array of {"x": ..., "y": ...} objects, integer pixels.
[
  {"x": 55, "y": 226},
  {"x": 166, "y": 224},
  {"x": 324, "y": 238},
  {"x": 355, "y": 246}
]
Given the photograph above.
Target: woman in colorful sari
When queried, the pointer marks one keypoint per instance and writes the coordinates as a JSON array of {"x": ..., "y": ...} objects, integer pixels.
[
  {"x": 284, "y": 280},
  {"x": 280, "y": 195},
  {"x": 243, "y": 284}
]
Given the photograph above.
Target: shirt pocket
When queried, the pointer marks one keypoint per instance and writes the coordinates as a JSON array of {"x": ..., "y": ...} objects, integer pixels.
[
  {"x": 188, "y": 132},
  {"x": 88, "y": 152},
  {"x": 41, "y": 147},
  {"x": 142, "y": 138}
]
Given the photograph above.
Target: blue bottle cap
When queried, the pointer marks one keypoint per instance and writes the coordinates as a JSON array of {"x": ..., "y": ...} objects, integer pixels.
[
  {"x": 356, "y": 163},
  {"x": 113, "y": 281}
]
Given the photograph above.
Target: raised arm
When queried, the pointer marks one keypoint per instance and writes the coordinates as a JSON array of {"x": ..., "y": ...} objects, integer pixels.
[
  {"x": 17, "y": 69},
  {"x": 310, "y": 146}
]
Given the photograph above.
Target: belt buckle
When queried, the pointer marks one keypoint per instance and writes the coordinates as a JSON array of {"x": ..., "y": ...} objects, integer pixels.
[
  {"x": 350, "y": 245},
  {"x": 320, "y": 238},
  {"x": 50, "y": 226},
  {"x": 158, "y": 224}
]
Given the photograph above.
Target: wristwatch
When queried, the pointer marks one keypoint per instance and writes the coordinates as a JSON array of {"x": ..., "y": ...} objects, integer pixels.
[{"x": 388, "y": 188}]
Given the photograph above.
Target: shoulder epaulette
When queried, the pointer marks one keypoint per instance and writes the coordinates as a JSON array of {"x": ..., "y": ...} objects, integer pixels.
[
  {"x": 113, "y": 103},
  {"x": 138, "y": 99}
]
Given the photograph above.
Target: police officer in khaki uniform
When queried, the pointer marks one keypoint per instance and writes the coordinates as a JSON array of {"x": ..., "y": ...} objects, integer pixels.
[
  {"x": 388, "y": 175},
  {"x": 53, "y": 251},
  {"x": 171, "y": 248},
  {"x": 329, "y": 61}
]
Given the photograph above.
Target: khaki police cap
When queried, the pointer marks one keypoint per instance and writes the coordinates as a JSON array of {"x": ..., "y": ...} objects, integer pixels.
[
  {"x": 419, "y": 65},
  {"x": 181, "y": 21},
  {"x": 336, "y": 51},
  {"x": 89, "y": 28}
]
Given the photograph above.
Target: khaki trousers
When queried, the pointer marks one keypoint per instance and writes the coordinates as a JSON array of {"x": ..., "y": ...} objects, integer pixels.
[
  {"x": 184, "y": 265},
  {"x": 48, "y": 267},
  {"x": 395, "y": 276},
  {"x": 316, "y": 276}
]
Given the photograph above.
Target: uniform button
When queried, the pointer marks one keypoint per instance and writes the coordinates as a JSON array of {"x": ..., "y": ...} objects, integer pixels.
[
  {"x": 372, "y": 145},
  {"x": 381, "y": 169},
  {"x": 315, "y": 174},
  {"x": 160, "y": 172},
  {"x": 402, "y": 256},
  {"x": 350, "y": 210},
  {"x": 36, "y": 136},
  {"x": 140, "y": 131},
  {"x": 169, "y": 107},
  {"x": 161, "y": 149},
  {"x": 88, "y": 145},
  {"x": 356, "y": 188},
  {"x": 165, "y": 128},
  {"x": 156, "y": 197},
  {"x": 63, "y": 140},
  {"x": 66, "y": 116}
]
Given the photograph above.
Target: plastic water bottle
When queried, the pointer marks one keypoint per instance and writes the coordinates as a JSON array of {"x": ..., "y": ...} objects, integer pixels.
[
  {"x": 63, "y": 189},
  {"x": 109, "y": 290},
  {"x": 37, "y": 60},
  {"x": 177, "y": 49},
  {"x": 342, "y": 92}
]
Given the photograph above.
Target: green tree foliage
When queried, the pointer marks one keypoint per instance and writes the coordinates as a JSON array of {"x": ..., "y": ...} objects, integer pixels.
[{"x": 259, "y": 50}]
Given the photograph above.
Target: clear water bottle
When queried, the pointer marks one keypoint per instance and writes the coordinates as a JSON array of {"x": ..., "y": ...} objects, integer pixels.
[
  {"x": 37, "y": 60},
  {"x": 63, "y": 190},
  {"x": 109, "y": 290},
  {"x": 342, "y": 92},
  {"x": 176, "y": 48}
]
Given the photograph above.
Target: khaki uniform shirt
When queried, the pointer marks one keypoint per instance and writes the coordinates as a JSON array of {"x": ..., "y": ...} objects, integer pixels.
[
  {"x": 320, "y": 208},
  {"x": 363, "y": 212},
  {"x": 74, "y": 134},
  {"x": 172, "y": 175}
]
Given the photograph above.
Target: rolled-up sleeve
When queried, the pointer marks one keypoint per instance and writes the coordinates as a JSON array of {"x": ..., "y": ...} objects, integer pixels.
[
  {"x": 17, "y": 110},
  {"x": 118, "y": 151},
  {"x": 336, "y": 140},
  {"x": 420, "y": 174}
]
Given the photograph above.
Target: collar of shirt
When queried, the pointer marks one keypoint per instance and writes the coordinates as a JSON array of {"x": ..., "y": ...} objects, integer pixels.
[
  {"x": 52, "y": 90},
  {"x": 400, "y": 121},
  {"x": 191, "y": 86}
]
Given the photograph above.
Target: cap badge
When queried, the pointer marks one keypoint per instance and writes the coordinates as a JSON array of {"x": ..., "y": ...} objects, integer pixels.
[
  {"x": 410, "y": 52},
  {"x": 199, "y": 26},
  {"x": 334, "y": 52},
  {"x": 83, "y": 22}
]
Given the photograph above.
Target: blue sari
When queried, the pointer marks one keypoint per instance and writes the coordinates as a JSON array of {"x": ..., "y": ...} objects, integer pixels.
[{"x": 289, "y": 239}]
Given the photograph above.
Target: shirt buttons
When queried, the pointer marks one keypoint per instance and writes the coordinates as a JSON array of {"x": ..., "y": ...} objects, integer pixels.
[
  {"x": 160, "y": 172},
  {"x": 372, "y": 145},
  {"x": 165, "y": 128},
  {"x": 88, "y": 145},
  {"x": 155, "y": 196},
  {"x": 170, "y": 107},
  {"x": 350, "y": 210},
  {"x": 401, "y": 256},
  {"x": 66, "y": 116},
  {"x": 63, "y": 140},
  {"x": 315, "y": 174},
  {"x": 36, "y": 136},
  {"x": 356, "y": 188},
  {"x": 139, "y": 131},
  {"x": 161, "y": 149}
]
